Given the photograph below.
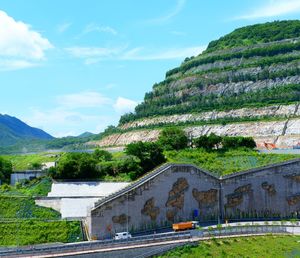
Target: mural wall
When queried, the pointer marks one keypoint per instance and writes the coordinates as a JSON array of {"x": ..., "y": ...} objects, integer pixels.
[{"x": 185, "y": 192}]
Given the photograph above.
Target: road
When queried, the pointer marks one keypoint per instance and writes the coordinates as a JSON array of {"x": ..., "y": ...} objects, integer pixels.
[{"x": 139, "y": 246}]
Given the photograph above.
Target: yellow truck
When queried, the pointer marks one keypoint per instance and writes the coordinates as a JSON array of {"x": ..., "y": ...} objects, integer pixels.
[{"x": 185, "y": 225}]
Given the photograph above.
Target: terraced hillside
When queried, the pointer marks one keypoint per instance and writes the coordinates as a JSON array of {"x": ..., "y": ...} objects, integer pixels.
[{"x": 245, "y": 83}]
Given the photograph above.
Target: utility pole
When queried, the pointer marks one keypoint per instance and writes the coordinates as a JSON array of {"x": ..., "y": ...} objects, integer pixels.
[
  {"x": 127, "y": 214},
  {"x": 190, "y": 139},
  {"x": 220, "y": 204}
]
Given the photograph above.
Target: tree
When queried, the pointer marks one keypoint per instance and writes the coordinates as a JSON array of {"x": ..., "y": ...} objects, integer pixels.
[
  {"x": 173, "y": 138},
  {"x": 35, "y": 165},
  {"x": 208, "y": 142},
  {"x": 247, "y": 142},
  {"x": 5, "y": 170},
  {"x": 129, "y": 165},
  {"x": 237, "y": 142},
  {"x": 150, "y": 154},
  {"x": 76, "y": 166},
  {"x": 102, "y": 155}
]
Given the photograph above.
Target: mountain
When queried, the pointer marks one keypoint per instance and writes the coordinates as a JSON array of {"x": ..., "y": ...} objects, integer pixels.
[
  {"x": 13, "y": 130},
  {"x": 85, "y": 134},
  {"x": 245, "y": 83}
]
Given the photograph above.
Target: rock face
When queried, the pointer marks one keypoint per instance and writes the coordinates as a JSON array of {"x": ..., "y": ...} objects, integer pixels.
[
  {"x": 284, "y": 133},
  {"x": 251, "y": 74},
  {"x": 268, "y": 111}
]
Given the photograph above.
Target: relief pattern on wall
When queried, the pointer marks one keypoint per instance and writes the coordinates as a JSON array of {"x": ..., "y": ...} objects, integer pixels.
[
  {"x": 237, "y": 197},
  {"x": 176, "y": 195},
  {"x": 294, "y": 177},
  {"x": 176, "y": 198},
  {"x": 293, "y": 200},
  {"x": 171, "y": 215},
  {"x": 269, "y": 188},
  {"x": 150, "y": 209},
  {"x": 121, "y": 219},
  {"x": 205, "y": 198}
]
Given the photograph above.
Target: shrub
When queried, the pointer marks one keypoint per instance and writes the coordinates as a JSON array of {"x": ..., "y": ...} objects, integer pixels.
[
  {"x": 237, "y": 142},
  {"x": 35, "y": 165},
  {"x": 173, "y": 138},
  {"x": 208, "y": 142},
  {"x": 150, "y": 154},
  {"x": 5, "y": 170},
  {"x": 113, "y": 168},
  {"x": 76, "y": 166},
  {"x": 102, "y": 155}
]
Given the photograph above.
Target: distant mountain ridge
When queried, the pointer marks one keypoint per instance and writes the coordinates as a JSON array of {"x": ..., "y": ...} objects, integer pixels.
[
  {"x": 86, "y": 134},
  {"x": 13, "y": 130}
]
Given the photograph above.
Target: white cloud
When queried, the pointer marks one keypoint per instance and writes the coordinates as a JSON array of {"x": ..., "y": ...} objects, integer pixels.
[
  {"x": 61, "y": 28},
  {"x": 92, "y": 27},
  {"x": 272, "y": 9},
  {"x": 124, "y": 105},
  {"x": 110, "y": 86},
  {"x": 20, "y": 46},
  {"x": 70, "y": 117},
  {"x": 13, "y": 64},
  {"x": 173, "y": 53},
  {"x": 169, "y": 15},
  {"x": 92, "y": 55},
  {"x": 92, "y": 52},
  {"x": 83, "y": 100},
  {"x": 19, "y": 40},
  {"x": 60, "y": 122},
  {"x": 177, "y": 33}
]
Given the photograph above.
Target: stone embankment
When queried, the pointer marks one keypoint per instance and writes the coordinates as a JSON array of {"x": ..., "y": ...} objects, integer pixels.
[
  {"x": 284, "y": 133},
  {"x": 268, "y": 111}
]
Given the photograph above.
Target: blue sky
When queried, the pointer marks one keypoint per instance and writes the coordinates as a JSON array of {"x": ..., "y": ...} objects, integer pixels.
[{"x": 70, "y": 66}]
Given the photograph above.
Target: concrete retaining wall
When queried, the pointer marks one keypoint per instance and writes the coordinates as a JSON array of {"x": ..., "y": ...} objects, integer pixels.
[
  {"x": 27, "y": 174},
  {"x": 185, "y": 192},
  {"x": 54, "y": 203}
]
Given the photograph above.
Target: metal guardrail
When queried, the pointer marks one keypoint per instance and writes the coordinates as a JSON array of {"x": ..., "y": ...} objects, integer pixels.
[
  {"x": 82, "y": 246},
  {"x": 164, "y": 237},
  {"x": 246, "y": 229},
  {"x": 160, "y": 250}
]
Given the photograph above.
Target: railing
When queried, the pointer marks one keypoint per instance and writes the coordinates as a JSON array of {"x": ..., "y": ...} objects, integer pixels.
[
  {"x": 83, "y": 246},
  {"x": 186, "y": 236},
  {"x": 244, "y": 229},
  {"x": 160, "y": 250}
]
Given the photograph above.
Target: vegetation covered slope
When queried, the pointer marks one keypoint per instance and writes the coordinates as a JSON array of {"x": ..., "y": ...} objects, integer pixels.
[
  {"x": 258, "y": 246},
  {"x": 255, "y": 34},
  {"x": 222, "y": 163},
  {"x": 23, "y": 162},
  {"x": 22, "y": 222},
  {"x": 13, "y": 129},
  {"x": 36, "y": 187},
  {"x": 28, "y": 232},
  {"x": 254, "y": 66}
]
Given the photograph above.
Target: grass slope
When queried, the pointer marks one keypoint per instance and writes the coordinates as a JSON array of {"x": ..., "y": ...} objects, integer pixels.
[
  {"x": 223, "y": 163},
  {"x": 22, "y": 162},
  {"x": 35, "y": 232},
  {"x": 24, "y": 208},
  {"x": 36, "y": 187},
  {"x": 259, "y": 246},
  {"x": 24, "y": 223}
]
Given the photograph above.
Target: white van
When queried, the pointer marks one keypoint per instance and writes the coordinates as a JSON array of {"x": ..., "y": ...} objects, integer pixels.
[{"x": 122, "y": 235}]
